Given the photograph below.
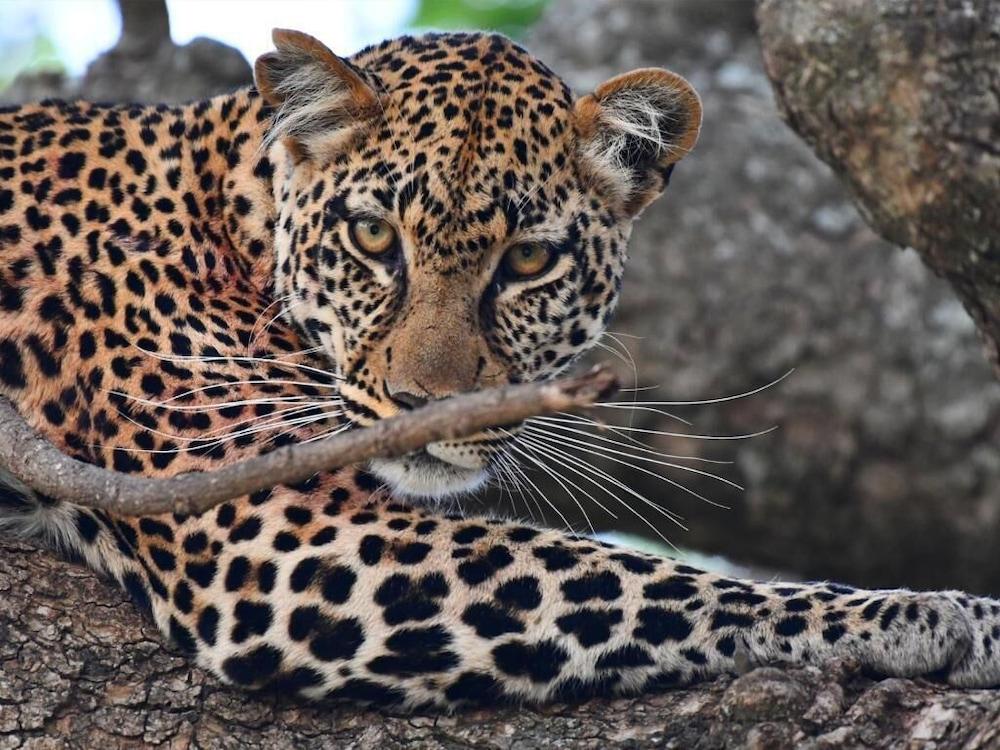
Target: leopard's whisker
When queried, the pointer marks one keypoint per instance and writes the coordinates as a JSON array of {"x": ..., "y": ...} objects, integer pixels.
[
  {"x": 598, "y": 426},
  {"x": 283, "y": 311},
  {"x": 329, "y": 433},
  {"x": 566, "y": 524},
  {"x": 562, "y": 481},
  {"x": 226, "y": 384},
  {"x": 274, "y": 424},
  {"x": 589, "y": 472},
  {"x": 609, "y": 453},
  {"x": 227, "y": 404},
  {"x": 277, "y": 301},
  {"x": 631, "y": 445},
  {"x": 706, "y": 401},
  {"x": 690, "y": 436},
  {"x": 239, "y": 358},
  {"x": 521, "y": 483},
  {"x": 562, "y": 440}
]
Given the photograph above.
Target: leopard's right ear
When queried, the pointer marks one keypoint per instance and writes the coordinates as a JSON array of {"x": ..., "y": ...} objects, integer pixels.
[{"x": 320, "y": 99}]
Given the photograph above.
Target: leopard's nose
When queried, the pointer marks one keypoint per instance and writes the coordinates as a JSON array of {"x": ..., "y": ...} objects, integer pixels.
[{"x": 406, "y": 399}]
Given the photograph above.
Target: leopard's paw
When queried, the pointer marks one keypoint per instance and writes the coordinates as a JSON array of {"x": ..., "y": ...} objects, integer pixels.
[{"x": 979, "y": 665}]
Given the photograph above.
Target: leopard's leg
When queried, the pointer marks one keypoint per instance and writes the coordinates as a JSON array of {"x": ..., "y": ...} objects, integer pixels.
[{"x": 387, "y": 604}]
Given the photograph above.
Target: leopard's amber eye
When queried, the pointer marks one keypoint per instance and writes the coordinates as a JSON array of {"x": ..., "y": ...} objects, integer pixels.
[
  {"x": 373, "y": 236},
  {"x": 525, "y": 261}
]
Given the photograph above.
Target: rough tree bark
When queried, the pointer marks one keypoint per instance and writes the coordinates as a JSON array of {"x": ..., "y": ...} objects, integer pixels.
[
  {"x": 902, "y": 99},
  {"x": 79, "y": 668}
]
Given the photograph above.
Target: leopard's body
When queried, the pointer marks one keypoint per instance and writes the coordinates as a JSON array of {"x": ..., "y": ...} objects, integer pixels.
[{"x": 143, "y": 250}]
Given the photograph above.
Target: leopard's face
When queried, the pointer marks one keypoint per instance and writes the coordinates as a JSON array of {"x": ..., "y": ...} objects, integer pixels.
[{"x": 451, "y": 219}]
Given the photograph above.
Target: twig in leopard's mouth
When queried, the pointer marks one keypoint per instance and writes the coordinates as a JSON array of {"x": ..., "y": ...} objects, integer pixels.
[{"x": 44, "y": 468}]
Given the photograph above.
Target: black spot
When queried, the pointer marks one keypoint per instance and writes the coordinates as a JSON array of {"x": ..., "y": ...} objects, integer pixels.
[
  {"x": 208, "y": 624},
  {"x": 324, "y": 536},
  {"x": 202, "y": 573},
  {"x": 474, "y": 688},
  {"x": 70, "y": 164},
  {"x": 742, "y": 597},
  {"x": 236, "y": 576},
  {"x": 522, "y": 534},
  {"x": 252, "y": 618},
  {"x": 726, "y": 617},
  {"x": 136, "y": 589},
  {"x": 163, "y": 559},
  {"x": 606, "y": 586},
  {"x": 520, "y": 593},
  {"x": 256, "y": 666},
  {"x": 834, "y": 633},
  {"x": 298, "y": 515},
  {"x": 556, "y": 558},
  {"x": 657, "y": 625},
  {"x": 336, "y": 639},
  {"x": 285, "y": 542},
  {"x": 357, "y": 690},
  {"x": 540, "y": 662},
  {"x": 888, "y": 616},
  {"x": 412, "y": 553},
  {"x": 468, "y": 535},
  {"x": 267, "y": 575},
  {"x": 676, "y": 587},
  {"x": 182, "y": 636},
  {"x": 371, "y": 548},
  {"x": 425, "y": 527},
  {"x": 302, "y": 574},
  {"x": 482, "y": 568},
  {"x": 634, "y": 563},
  {"x": 246, "y": 531},
  {"x": 183, "y": 597},
  {"x": 590, "y": 626},
  {"x": 337, "y": 584},
  {"x": 489, "y": 621},
  {"x": 626, "y": 657},
  {"x": 86, "y": 526},
  {"x": 11, "y": 365},
  {"x": 871, "y": 610},
  {"x": 790, "y": 626}
]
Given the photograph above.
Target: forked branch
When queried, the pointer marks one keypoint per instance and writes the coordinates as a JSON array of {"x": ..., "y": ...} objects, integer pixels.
[{"x": 44, "y": 468}]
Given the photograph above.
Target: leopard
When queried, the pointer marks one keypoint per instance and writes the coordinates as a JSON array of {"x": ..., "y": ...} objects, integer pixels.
[{"x": 351, "y": 238}]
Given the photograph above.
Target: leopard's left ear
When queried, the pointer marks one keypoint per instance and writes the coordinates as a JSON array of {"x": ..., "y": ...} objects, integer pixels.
[
  {"x": 633, "y": 129},
  {"x": 320, "y": 99}
]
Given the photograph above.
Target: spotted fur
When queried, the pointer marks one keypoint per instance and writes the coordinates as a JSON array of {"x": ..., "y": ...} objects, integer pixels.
[{"x": 172, "y": 278}]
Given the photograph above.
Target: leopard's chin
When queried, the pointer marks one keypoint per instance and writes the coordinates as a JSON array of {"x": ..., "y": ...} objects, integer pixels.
[{"x": 421, "y": 476}]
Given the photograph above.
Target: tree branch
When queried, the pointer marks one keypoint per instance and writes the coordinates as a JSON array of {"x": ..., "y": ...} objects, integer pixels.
[
  {"x": 44, "y": 468},
  {"x": 900, "y": 99}
]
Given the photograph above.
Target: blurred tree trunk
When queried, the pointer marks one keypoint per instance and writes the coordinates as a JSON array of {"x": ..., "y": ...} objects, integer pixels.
[
  {"x": 902, "y": 99},
  {"x": 885, "y": 469}
]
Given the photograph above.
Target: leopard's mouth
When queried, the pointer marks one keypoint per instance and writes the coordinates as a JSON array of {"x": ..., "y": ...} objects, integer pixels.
[{"x": 422, "y": 475}]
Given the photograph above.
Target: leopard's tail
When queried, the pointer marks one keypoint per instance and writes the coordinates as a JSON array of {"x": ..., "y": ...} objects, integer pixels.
[{"x": 74, "y": 532}]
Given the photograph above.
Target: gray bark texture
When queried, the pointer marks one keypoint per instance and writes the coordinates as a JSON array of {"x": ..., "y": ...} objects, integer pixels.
[
  {"x": 902, "y": 99},
  {"x": 885, "y": 469},
  {"x": 79, "y": 668}
]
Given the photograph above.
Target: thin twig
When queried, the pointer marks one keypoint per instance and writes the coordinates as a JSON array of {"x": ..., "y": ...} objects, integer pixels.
[{"x": 44, "y": 468}]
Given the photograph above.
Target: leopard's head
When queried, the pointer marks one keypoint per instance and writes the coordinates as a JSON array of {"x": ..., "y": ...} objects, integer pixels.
[{"x": 451, "y": 218}]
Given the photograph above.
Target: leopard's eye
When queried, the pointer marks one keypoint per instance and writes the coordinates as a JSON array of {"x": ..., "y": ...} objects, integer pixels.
[
  {"x": 525, "y": 261},
  {"x": 373, "y": 236}
]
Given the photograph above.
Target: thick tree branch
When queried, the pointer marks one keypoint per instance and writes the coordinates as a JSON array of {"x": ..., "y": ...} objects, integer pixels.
[
  {"x": 44, "y": 468},
  {"x": 899, "y": 97}
]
